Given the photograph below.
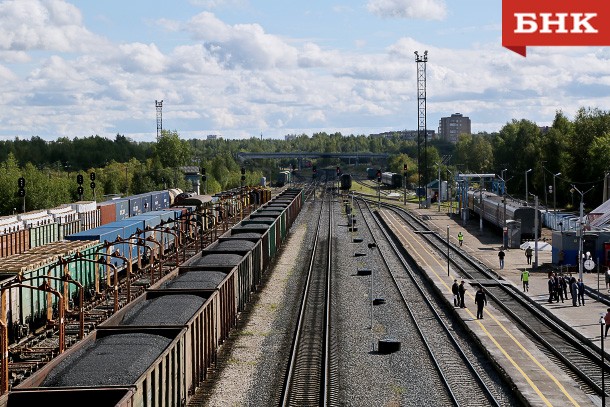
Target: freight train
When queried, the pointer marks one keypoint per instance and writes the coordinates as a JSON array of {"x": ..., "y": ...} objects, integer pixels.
[
  {"x": 38, "y": 259},
  {"x": 157, "y": 350},
  {"x": 493, "y": 211}
]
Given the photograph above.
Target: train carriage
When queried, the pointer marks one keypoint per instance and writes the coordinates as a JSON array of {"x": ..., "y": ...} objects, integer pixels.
[
  {"x": 112, "y": 358},
  {"x": 391, "y": 180},
  {"x": 494, "y": 209},
  {"x": 156, "y": 350}
]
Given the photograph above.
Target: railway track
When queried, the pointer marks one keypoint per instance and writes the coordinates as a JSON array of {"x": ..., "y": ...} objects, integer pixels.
[
  {"x": 307, "y": 380},
  {"x": 463, "y": 377},
  {"x": 576, "y": 354}
]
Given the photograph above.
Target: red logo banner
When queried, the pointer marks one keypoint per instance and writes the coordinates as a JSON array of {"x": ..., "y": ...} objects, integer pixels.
[{"x": 554, "y": 22}]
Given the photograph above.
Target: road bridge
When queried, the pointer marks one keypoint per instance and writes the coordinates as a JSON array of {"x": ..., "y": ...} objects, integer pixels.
[{"x": 300, "y": 156}]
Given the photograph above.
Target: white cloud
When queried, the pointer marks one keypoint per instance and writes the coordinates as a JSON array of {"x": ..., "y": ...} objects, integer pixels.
[
  {"x": 413, "y": 9},
  {"x": 52, "y": 25},
  {"x": 142, "y": 58},
  {"x": 239, "y": 79},
  {"x": 215, "y": 4},
  {"x": 241, "y": 45}
]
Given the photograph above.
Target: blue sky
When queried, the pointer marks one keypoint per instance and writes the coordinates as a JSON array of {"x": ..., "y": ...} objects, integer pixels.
[{"x": 239, "y": 68}]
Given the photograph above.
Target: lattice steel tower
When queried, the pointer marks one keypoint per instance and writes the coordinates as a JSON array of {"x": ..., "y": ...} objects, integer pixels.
[
  {"x": 422, "y": 132},
  {"x": 159, "y": 106}
]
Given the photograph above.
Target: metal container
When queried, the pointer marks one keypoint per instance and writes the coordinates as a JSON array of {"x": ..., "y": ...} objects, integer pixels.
[{"x": 107, "y": 212}]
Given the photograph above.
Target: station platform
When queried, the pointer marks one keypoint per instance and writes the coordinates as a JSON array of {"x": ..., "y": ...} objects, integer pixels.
[{"x": 539, "y": 379}]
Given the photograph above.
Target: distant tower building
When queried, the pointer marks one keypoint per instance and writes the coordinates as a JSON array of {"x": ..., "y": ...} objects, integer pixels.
[
  {"x": 450, "y": 128},
  {"x": 159, "y": 106}
]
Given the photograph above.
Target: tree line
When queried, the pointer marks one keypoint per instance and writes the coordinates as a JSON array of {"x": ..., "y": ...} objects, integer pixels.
[{"x": 578, "y": 149}]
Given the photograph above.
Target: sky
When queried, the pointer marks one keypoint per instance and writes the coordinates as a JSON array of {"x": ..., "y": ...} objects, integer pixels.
[{"x": 246, "y": 68}]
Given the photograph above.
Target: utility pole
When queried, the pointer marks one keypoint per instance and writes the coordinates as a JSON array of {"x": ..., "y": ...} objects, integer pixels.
[
  {"x": 439, "y": 187},
  {"x": 582, "y": 228},
  {"x": 536, "y": 220},
  {"x": 546, "y": 202}
]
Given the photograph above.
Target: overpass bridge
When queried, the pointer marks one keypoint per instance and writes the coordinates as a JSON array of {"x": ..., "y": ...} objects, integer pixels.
[{"x": 303, "y": 155}]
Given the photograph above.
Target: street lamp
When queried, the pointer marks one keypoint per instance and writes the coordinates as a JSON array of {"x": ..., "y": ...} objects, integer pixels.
[
  {"x": 536, "y": 220},
  {"x": 581, "y": 222},
  {"x": 526, "y": 194},
  {"x": 555, "y": 194},
  {"x": 504, "y": 228}
]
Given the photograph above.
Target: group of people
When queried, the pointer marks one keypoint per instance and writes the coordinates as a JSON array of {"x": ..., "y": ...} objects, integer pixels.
[
  {"x": 558, "y": 289},
  {"x": 459, "y": 291}
]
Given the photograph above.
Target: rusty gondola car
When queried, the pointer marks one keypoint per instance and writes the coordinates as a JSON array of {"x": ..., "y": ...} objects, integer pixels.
[{"x": 178, "y": 325}]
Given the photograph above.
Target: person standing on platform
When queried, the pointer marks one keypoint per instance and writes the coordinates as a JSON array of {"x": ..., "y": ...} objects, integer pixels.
[
  {"x": 460, "y": 238},
  {"x": 581, "y": 292},
  {"x": 551, "y": 284},
  {"x": 608, "y": 279},
  {"x": 455, "y": 289},
  {"x": 558, "y": 288},
  {"x": 528, "y": 255},
  {"x": 525, "y": 277},
  {"x": 481, "y": 300},
  {"x": 462, "y": 291},
  {"x": 573, "y": 290},
  {"x": 501, "y": 255},
  {"x": 607, "y": 321},
  {"x": 563, "y": 286}
]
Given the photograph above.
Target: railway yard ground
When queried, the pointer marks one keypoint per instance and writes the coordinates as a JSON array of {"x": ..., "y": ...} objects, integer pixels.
[{"x": 250, "y": 368}]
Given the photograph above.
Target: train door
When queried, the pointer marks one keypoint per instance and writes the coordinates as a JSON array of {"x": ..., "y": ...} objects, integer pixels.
[{"x": 589, "y": 244}]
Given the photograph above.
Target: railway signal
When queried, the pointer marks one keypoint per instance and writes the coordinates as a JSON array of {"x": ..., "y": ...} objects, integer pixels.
[
  {"x": 92, "y": 176},
  {"x": 21, "y": 190},
  {"x": 378, "y": 175},
  {"x": 315, "y": 172}
]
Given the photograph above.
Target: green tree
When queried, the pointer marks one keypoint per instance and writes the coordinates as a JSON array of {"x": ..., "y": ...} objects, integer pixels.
[{"x": 170, "y": 151}]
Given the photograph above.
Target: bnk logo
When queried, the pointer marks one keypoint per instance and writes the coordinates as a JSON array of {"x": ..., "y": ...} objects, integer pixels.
[{"x": 554, "y": 22}]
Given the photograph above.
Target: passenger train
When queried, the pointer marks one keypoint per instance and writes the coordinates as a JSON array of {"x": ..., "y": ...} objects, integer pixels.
[
  {"x": 392, "y": 180},
  {"x": 493, "y": 211}
]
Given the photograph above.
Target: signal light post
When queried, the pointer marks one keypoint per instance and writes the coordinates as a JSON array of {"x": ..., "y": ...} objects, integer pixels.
[
  {"x": 92, "y": 184},
  {"x": 378, "y": 189},
  {"x": 21, "y": 191},
  {"x": 80, "y": 190},
  {"x": 204, "y": 178},
  {"x": 405, "y": 184}
]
